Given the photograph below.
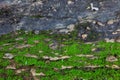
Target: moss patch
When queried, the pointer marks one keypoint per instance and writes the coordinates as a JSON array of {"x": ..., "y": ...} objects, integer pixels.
[{"x": 89, "y": 65}]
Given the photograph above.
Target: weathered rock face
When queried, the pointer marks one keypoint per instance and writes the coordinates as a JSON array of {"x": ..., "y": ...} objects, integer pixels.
[{"x": 51, "y": 14}]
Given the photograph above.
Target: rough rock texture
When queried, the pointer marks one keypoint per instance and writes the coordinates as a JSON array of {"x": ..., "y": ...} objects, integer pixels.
[{"x": 51, "y": 14}]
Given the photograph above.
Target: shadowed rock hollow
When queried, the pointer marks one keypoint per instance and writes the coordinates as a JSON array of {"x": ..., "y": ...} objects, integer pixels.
[{"x": 52, "y": 14}]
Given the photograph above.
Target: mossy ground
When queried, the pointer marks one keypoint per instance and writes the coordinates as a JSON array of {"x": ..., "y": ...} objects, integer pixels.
[{"x": 83, "y": 67}]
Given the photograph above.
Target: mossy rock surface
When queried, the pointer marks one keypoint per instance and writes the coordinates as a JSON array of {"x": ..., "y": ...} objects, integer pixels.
[{"x": 72, "y": 60}]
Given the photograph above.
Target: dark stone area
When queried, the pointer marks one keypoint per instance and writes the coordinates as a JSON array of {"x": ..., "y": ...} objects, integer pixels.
[{"x": 51, "y": 14}]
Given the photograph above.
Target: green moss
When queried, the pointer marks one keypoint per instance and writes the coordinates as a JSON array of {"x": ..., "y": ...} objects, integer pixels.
[
  {"x": 4, "y": 63},
  {"x": 72, "y": 48}
]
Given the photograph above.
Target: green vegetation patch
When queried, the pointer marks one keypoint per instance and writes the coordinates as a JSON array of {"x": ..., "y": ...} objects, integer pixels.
[{"x": 27, "y": 56}]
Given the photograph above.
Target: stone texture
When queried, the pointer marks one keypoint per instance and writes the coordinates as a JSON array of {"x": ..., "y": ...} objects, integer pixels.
[
  {"x": 111, "y": 59},
  {"x": 51, "y": 14}
]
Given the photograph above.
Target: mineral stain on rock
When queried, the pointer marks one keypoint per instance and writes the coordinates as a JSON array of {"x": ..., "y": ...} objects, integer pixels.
[{"x": 47, "y": 14}]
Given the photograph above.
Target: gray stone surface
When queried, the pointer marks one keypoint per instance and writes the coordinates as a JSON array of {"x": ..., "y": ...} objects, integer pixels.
[{"x": 51, "y": 14}]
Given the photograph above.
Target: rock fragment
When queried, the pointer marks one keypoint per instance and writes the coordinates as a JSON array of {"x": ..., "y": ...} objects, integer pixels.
[
  {"x": 93, "y": 8},
  {"x": 87, "y": 56},
  {"x": 47, "y": 39},
  {"x": 113, "y": 66},
  {"x": 31, "y": 55},
  {"x": 111, "y": 59},
  {"x": 40, "y": 51},
  {"x": 18, "y": 39},
  {"x": 109, "y": 40},
  {"x": 92, "y": 66},
  {"x": 37, "y": 32},
  {"x": 33, "y": 71},
  {"x": 23, "y": 46},
  {"x": 36, "y": 41},
  {"x": 65, "y": 57},
  {"x": 56, "y": 58},
  {"x": 110, "y": 22},
  {"x": 66, "y": 67},
  {"x": 18, "y": 71},
  {"x": 117, "y": 39},
  {"x": 8, "y": 56},
  {"x": 71, "y": 27},
  {"x": 11, "y": 67},
  {"x": 64, "y": 31},
  {"x": 84, "y": 36},
  {"x": 53, "y": 45},
  {"x": 70, "y": 2},
  {"x": 100, "y": 24}
]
